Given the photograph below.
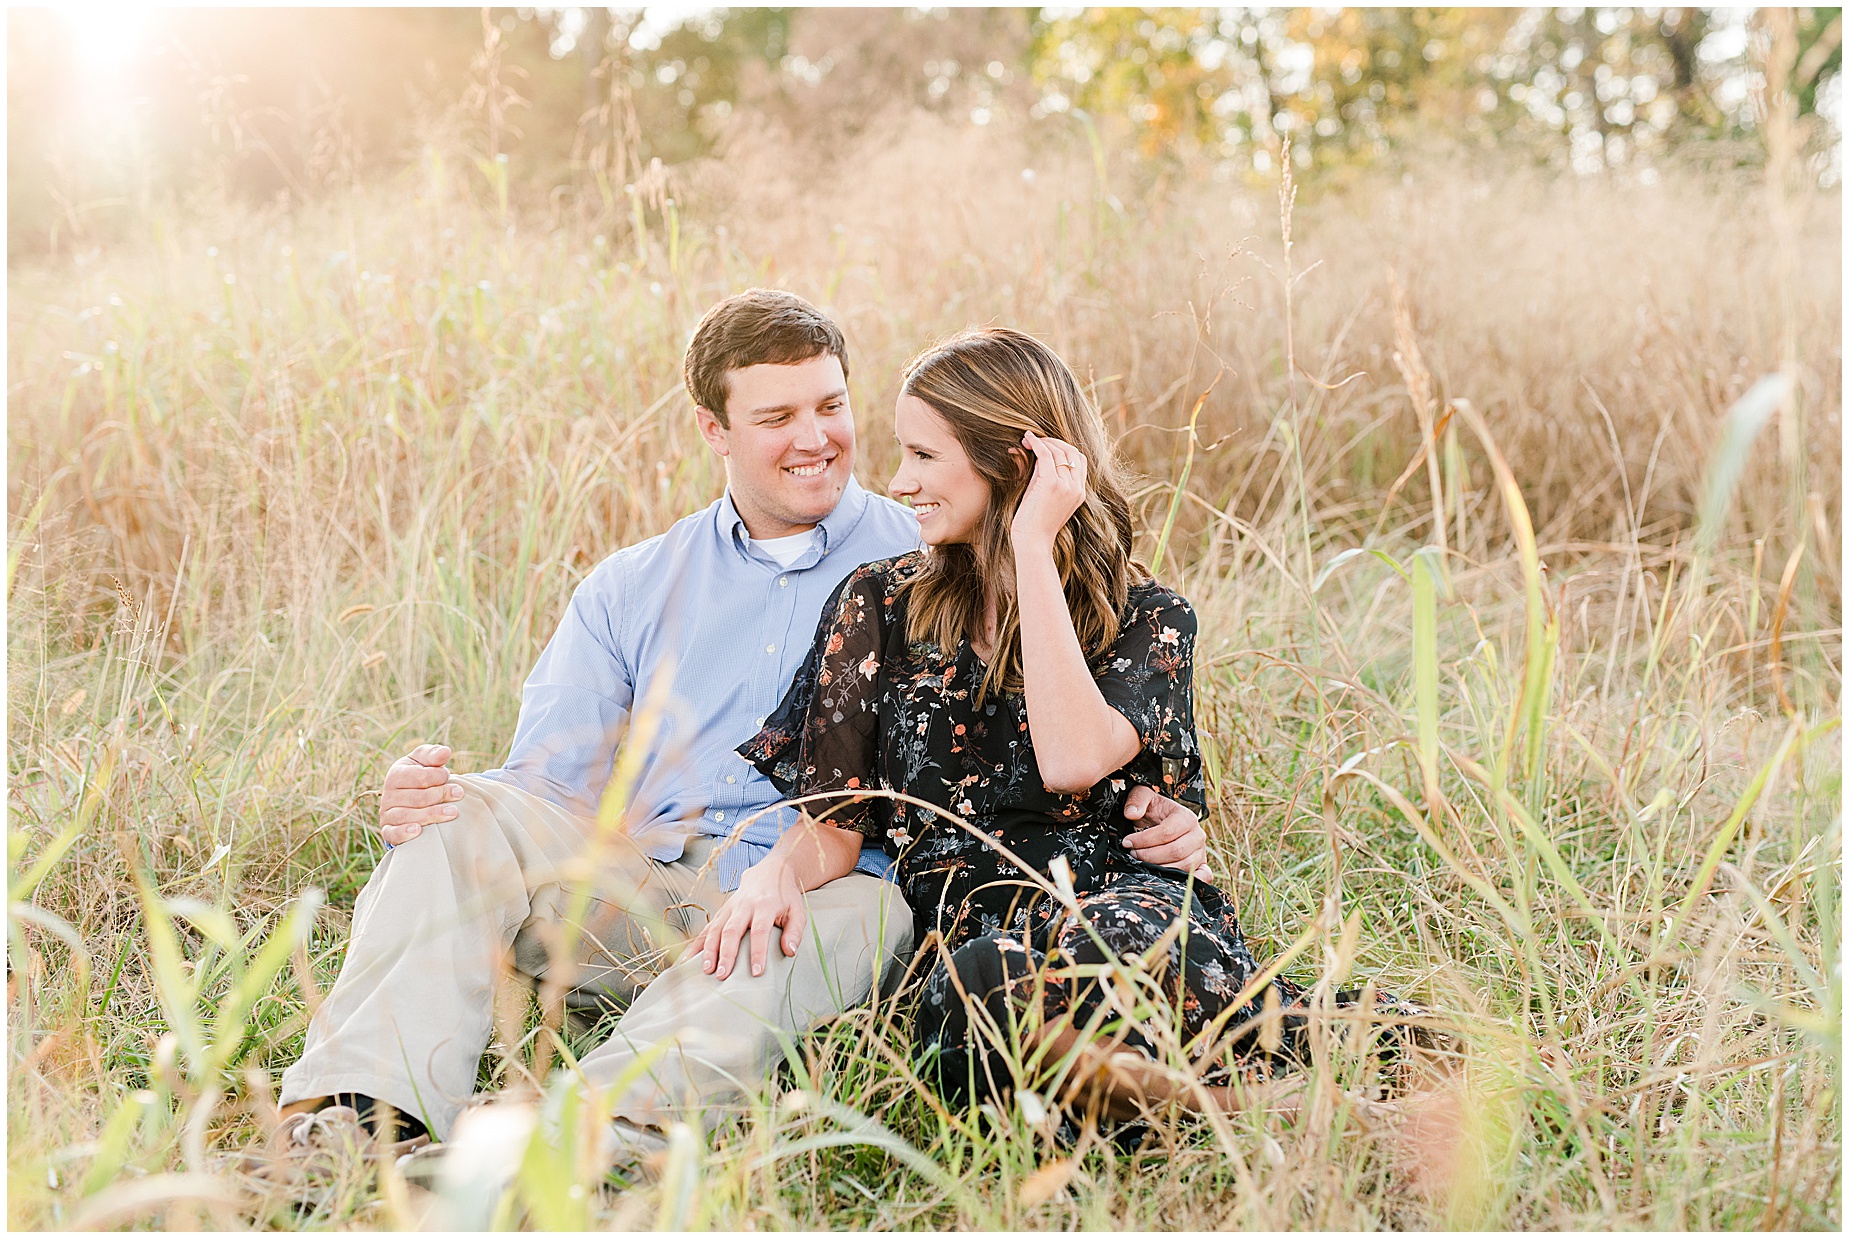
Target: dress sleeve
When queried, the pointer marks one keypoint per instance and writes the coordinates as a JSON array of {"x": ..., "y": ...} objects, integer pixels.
[
  {"x": 824, "y": 737},
  {"x": 1148, "y": 677}
]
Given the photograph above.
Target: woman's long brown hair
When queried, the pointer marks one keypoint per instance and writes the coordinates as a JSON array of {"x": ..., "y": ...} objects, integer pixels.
[{"x": 991, "y": 386}]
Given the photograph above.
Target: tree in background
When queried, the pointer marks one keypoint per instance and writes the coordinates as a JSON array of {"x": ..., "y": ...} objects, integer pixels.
[
  {"x": 1594, "y": 86},
  {"x": 591, "y": 105}
]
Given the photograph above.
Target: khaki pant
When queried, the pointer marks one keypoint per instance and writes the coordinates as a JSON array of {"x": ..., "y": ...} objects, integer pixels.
[{"x": 412, "y": 1012}]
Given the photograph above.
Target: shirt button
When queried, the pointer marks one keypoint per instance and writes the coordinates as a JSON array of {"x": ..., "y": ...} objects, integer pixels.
[
  {"x": 783, "y": 580},
  {"x": 770, "y": 649},
  {"x": 760, "y": 724},
  {"x": 730, "y": 779},
  {"x": 719, "y": 816}
]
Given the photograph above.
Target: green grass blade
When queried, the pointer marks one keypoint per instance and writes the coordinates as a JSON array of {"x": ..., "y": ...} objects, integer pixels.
[{"x": 1426, "y": 567}]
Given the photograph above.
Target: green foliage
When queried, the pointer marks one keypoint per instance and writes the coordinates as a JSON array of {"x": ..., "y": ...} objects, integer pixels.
[{"x": 1596, "y": 86}]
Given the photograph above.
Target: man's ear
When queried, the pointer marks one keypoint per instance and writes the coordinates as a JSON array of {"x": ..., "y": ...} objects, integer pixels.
[{"x": 710, "y": 430}]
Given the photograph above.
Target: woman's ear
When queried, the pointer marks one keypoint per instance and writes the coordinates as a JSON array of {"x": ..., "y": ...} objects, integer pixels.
[{"x": 1023, "y": 467}]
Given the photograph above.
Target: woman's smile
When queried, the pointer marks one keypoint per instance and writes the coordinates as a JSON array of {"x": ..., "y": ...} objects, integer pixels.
[{"x": 932, "y": 463}]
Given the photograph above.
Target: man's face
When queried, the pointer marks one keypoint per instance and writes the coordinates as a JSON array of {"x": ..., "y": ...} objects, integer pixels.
[{"x": 789, "y": 450}]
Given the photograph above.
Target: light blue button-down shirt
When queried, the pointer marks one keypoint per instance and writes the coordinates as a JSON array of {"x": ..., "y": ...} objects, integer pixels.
[{"x": 725, "y": 627}]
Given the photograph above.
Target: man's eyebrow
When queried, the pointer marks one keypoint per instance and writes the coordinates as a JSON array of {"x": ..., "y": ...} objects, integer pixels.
[{"x": 839, "y": 393}]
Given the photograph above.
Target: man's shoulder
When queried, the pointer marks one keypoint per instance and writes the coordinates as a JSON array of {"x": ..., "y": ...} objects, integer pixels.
[
  {"x": 673, "y": 543},
  {"x": 887, "y": 528}
]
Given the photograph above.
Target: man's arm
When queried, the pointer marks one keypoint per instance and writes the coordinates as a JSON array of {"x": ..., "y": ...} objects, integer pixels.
[
  {"x": 771, "y": 895},
  {"x": 572, "y": 709},
  {"x": 575, "y": 704}
]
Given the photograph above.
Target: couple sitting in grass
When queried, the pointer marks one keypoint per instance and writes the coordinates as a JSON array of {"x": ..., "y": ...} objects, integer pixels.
[{"x": 980, "y": 704}]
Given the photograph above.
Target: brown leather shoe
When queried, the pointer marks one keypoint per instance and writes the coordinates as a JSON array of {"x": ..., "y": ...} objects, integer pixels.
[{"x": 311, "y": 1157}]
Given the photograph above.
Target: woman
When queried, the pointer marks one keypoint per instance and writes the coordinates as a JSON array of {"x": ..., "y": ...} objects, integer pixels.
[{"x": 1021, "y": 673}]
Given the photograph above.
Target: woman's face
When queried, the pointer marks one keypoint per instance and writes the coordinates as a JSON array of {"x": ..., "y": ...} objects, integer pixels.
[{"x": 935, "y": 476}]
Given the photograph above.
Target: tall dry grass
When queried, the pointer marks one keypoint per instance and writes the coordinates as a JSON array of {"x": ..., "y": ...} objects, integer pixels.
[{"x": 288, "y": 494}]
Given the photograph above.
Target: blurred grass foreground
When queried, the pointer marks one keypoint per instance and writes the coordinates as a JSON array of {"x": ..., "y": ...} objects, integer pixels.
[{"x": 1504, "y": 471}]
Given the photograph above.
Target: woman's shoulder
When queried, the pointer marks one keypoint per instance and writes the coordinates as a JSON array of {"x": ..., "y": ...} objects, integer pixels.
[
  {"x": 884, "y": 576},
  {"x": 1150, "y": 599},
  {"x": 893, "y": 568}
]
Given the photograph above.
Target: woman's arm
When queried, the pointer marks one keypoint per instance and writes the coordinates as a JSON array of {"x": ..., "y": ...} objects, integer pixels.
[
  {"x": 770, "y": 895},
  {"x": 1078, "y": 738}
]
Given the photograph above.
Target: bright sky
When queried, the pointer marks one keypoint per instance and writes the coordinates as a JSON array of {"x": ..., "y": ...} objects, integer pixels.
[
  {"x": 104, "y": 37},
  {"x": 106, "y": 41}
]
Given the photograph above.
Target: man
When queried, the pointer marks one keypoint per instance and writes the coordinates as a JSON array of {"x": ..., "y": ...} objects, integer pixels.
[{"x": 672, "y": 650}]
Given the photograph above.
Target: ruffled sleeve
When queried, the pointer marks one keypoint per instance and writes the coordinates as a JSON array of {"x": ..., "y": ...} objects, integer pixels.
[
  {"x": 1148, "y": 677},
  {"x": 824, "y": 736}
]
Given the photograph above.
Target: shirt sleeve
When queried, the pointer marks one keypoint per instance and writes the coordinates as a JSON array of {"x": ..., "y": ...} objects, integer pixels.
[
  {"x": 575, "y": 704},
  {"x": 1148, "y": 677},
  {"x": 824, "y": 737}
]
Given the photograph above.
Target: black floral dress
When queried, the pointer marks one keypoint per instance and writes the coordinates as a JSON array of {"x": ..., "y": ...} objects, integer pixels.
[{"x": 872, "y": 710}]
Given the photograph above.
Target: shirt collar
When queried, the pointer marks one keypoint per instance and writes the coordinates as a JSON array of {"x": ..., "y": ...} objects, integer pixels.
[{"x": 835, "y": 527}]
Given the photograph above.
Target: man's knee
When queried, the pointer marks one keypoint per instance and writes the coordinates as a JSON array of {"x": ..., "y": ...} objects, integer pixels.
[
  {"x": 860, "y": 905},
  {"x": 473, "y": 835}
]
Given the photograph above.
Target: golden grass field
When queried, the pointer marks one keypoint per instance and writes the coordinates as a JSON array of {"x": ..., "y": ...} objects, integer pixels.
[{"x": 290, "y": 493}]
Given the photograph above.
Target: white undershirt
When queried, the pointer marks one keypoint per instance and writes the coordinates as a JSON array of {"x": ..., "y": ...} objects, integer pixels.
[{"x": 786, "y": 551}]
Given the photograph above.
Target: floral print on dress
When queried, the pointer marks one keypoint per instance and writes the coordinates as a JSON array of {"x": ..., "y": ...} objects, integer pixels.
[{"x": 871, "y": 709}]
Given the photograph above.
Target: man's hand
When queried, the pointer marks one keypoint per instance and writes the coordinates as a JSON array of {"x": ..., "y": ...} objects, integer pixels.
[
  {"x": 417, "y": 794},
  {"x": 768, "y": 896},
  {"x": 1171, "y": 834}
]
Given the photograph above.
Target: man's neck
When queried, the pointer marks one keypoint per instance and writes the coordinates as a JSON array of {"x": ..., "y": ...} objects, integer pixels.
[
  {"x": 762, "y": 525},
  {"x": 763, "y": 530}
]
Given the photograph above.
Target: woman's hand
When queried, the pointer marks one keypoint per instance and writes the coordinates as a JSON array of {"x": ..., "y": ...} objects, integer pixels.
[
  {"x": 768, "y": 896},
  {"x": 1054, "y": 493},
  {"x": 1171, "y": 836}
]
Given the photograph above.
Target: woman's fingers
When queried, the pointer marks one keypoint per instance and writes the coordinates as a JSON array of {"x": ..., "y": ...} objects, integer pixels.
[
  {"x": 708, "y": 941},
  {"x": 763, "y": 924},
  {"x": 1141, "y": 799},
  {"x": 724, "y": 939},
  {"x": 1056, "y": 488},
  {"x": 795, "y": 920},
  {"x": 1044, "y": 449},
  {"x": 1179, "y": 853},
  {"x": 1058, "y": 451},
  {"x": 730, "y": 930},
  {"x": 1158, "y": 830}
]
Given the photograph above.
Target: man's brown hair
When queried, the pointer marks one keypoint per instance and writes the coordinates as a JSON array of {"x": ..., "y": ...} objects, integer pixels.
[{"x": 760, "y": 326}]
